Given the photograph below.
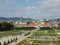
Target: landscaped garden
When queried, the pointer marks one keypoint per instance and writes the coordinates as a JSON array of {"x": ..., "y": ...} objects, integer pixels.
[
  {"x": 12, "y": 32},
  {"x": 7, "y": 29},
  {"x": 42, "y": 37},
  {"x": 44, "y": 33},
  {"x": 36, "y": 42}
]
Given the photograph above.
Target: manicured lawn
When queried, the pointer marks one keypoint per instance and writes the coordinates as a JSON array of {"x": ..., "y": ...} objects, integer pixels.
[
  {"x": 45, "y": 33},
  {"x": 51, "y": 31},
  {"x": 12, "y": 32}
]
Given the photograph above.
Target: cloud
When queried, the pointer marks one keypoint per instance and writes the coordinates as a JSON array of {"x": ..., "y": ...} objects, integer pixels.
[
  {"x": 45, "y": 9},
  {"x": 29, "y": 8},
  {"x": 41, "y": 9}
]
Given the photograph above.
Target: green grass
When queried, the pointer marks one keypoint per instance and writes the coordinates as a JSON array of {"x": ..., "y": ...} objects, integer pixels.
[
  {"x": 42, "y": 33},
  {"x": 35, "y": 42},
  {"x": 51, "y": 31},
  {"x": 12, "y": 32}
]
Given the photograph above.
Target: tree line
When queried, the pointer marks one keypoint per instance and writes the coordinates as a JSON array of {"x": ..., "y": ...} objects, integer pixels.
[{"x": 4, "y": 26}]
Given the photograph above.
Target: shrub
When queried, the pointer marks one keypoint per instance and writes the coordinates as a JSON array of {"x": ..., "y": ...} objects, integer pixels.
[
  {"x": 5, "y": 43},
  {"x": 8, "y": 42},
  {"x": 0, "y": 43},
  {"x": 16, "y": 39},
  {"x": 27, "y": 34},
  {"x": 11, "y": 40},
  {"x": 25, "y": 28},
  {"x": 46, "y": 28}
]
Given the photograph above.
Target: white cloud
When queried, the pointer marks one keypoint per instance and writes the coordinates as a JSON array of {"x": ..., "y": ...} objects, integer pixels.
[
  {"x": 28, "y": 8},
  {"x": 44, "y": 9}
]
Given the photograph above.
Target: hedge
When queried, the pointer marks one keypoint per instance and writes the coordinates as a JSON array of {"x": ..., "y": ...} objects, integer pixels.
[
  {"x": 25, "y": 28},
  {"x": 46, "y": 28}
]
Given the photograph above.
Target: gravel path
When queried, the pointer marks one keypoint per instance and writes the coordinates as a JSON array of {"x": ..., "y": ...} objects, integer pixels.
[{"x": 20, "y": 38}]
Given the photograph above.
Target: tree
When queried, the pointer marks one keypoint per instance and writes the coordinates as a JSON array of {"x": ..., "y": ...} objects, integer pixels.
[
  {"x": 0, "y": 43},
  {"x": 8, "y": 42},
  {"x": 5, "y": 43},
  {"x": 4, "y": 26}
]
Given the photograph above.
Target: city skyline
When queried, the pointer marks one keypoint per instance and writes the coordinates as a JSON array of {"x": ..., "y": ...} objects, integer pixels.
[{"x": 36, "y": 9}]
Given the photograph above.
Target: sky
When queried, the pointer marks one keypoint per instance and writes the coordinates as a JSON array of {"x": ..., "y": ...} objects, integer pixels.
[{"x": 36, "y": 9}]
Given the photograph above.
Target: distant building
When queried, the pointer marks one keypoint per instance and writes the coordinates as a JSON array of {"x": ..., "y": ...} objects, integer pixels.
[
  {"x": 31, "y": 25},
  {"x": 42, "y": 22},
  {"x": 57, "y": 25},
  {"x": 23, "y": 24},
  {"x": 19, "y": 24},
  {"x": 46, "y": 26}
]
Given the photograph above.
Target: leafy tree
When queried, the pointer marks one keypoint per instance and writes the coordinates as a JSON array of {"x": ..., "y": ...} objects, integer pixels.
[{"x": 4, "y": 26}]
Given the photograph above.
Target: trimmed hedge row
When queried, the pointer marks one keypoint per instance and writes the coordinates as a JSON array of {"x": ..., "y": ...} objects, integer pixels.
[
  {"x": 6, "y": 43},
  {"x": 46, "y": 28},
  {"x": 25, "y": 28}
]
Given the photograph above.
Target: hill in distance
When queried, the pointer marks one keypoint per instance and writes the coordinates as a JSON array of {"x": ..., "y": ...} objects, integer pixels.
[{"x": 15, "y": 19}]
